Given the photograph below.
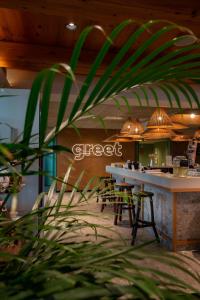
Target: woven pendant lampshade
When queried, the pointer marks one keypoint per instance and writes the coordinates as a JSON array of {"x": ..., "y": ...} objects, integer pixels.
[
  {"x": 133, "y": 137},
  {"x": 178, "y": 126},
  {"x": 160, "y": 119},
  {"x": 126, "y": 126},
  {"x": 158, "y": 134},
  {"x": 181, "y": 138},
  {"x": 192, "y": 119},
  {"x": 197, "y": 135},
  {"x": 118, "y": 138},
  {"x": 132, "y": 127}
]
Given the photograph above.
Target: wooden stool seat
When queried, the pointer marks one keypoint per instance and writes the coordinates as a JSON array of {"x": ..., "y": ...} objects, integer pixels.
[
  {"x": 143, "y": 223},
  {"x": 124, "y": 185},
  {"x": 109, "y": 180},
  {"x": 143, "y": 194}
]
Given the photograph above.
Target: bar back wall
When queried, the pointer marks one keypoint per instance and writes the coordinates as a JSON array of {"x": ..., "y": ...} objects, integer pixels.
[{"x": 90, "y": 153}]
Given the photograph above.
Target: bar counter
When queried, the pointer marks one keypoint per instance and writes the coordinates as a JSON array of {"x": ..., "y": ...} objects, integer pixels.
[{"x": 176, "y": 205}]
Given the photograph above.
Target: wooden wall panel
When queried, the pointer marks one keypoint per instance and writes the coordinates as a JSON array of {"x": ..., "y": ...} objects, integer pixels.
[
  {"x": 178, "y": 148},
  {"x": 93, "y": 165}
]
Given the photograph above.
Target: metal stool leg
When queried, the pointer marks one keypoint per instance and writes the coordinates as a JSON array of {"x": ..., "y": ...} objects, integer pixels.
[
  {"x": 130, "y": 208},
  {"x": 135, "y": 225},
  {"x": 103, "y": 204},
  {"x": 133, "y": 212},
  {"x": 153, "y": 221},
  {"x": 116, "y": 211},
  {"x": 120, "y": 209}
]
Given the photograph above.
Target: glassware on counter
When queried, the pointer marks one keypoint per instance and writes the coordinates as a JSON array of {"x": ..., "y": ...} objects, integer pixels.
[{"x": 180, "y": 166}]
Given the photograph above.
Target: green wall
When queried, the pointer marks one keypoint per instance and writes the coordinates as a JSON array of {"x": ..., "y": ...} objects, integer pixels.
[{"x": 161, "y": 149}]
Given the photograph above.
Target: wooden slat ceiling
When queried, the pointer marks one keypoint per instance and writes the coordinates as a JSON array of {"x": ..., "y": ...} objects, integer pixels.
[{"x": 33, "y": 33}]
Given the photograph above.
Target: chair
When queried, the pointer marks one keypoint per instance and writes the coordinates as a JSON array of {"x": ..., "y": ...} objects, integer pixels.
[
  {"x": 124, "y": 201},
  {"x": 108, "y": 192},
  {"x": 139, "y": 223},
  {"x": 102, "y": 185}
]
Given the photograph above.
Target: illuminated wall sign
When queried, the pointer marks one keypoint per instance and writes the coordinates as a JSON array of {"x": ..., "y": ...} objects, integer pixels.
[{"x": 82, "y": 150}]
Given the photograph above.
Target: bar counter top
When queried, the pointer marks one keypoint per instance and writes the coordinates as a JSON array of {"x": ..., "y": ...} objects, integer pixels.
[{"x": 163, "y": 180}]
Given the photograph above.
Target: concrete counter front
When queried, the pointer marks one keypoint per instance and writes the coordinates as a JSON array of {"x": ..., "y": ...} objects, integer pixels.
[{"x": 176, "y": 205}]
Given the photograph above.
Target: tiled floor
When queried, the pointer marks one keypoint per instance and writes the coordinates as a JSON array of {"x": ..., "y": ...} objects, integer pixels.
[{"x": 121, "y": 235}]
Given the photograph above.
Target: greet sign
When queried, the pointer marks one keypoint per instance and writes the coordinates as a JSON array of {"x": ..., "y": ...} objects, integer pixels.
[{"x": 82, "y": 150}]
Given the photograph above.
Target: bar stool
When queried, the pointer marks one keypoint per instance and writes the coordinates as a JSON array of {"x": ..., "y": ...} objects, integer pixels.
[
  {"x": 142, "y": 223},
  {"x": 109, "y": 192},
  {"x": 101, "y": 181},
  {"x": 125, "y": 192}
]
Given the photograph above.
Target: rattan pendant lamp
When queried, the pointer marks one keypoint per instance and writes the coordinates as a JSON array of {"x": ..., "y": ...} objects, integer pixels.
[
  {"x": 189, "y": 119},
  {"x": 178, "y": 126},
  {"x": 160, "y": 119},
  {"x": 181, "y": 138},
  {"x": 133, "y": 129},
  {"x": 118, "y": 139},
  {"x": 158, "y": 134},
  {"x": 197, "y": 135}
]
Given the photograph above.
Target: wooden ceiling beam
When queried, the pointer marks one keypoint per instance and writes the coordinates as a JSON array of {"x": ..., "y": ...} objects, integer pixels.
[
  {"x": 36, "y": 57},
  {"x": 113, "y": 11}
]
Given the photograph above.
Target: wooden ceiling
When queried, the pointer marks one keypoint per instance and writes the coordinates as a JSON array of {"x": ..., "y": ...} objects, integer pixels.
[{"x": 33, "y": 33}]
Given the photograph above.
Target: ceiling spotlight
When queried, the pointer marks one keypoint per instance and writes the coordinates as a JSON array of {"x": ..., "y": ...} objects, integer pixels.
[
  {"x": 192, "y": 116},
  {"x": 71, "y": 26}
]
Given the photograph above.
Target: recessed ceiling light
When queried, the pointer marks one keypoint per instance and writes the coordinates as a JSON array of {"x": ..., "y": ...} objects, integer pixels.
[
  {"x": 192, "y": 116},
  {"x": 71, "y": 26}
]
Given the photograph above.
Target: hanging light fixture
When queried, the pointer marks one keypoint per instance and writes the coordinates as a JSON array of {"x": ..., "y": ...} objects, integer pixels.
[
  {"x": 197, "y": 135},
  {"x": 126, "y": 126},
  {"x": 160, "y": 119},
  {"x": 131, "y": 131},
  {"x": 191, "y": 119},
  {"x": 134, "y": 137},
  {"x": 132, "y": 127},
  {"x": 181, "y": 138},
  {"x": 178, "y": 126},
  {"x": 118, "y": 138},
  {"x": 158, "y": 134}
]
